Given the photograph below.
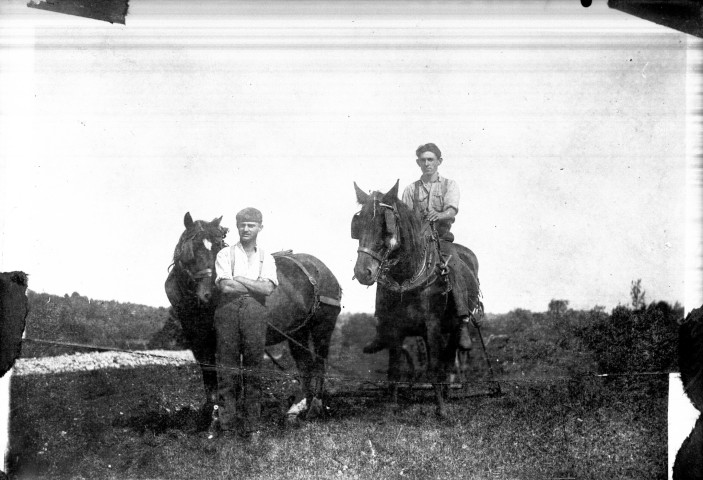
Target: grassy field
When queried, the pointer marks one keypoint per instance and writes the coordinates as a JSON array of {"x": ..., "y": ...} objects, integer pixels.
[{"x": 555, "y": 420}]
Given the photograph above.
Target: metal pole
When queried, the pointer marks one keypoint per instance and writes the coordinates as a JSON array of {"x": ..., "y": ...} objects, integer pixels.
[{"x": 485, "y": 355}]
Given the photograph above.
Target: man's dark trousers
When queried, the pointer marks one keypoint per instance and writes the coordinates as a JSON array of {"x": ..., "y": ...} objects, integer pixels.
[{"x": 240, "y": 323}]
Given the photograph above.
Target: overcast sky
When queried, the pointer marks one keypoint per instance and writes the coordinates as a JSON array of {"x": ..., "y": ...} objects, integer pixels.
[{"x": 563, "y": 126}]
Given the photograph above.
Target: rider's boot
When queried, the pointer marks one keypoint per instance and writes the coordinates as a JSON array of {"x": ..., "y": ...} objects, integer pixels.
[{"x": 376, "y": 345}]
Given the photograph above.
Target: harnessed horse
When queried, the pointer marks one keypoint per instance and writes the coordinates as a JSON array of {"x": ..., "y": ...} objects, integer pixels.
[
  {"x": 303, "y": 309},
  {"x": 190, "y": 289},
  {"x": 413, "y": 294}
]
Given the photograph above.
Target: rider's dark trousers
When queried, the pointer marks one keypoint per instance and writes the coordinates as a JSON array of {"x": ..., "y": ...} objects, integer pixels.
[{"x": 241, "y": 336}]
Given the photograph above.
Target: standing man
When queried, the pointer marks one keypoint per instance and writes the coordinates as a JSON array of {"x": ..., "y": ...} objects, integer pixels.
[
  {"x": 436, "y": 200},
  {"x": 246, "y": 275}
]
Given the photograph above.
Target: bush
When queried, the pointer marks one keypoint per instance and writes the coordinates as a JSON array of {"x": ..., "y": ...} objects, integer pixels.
[
  {"x": 358, "y": 329},
  {"x": 643, "y": 340},
  {"x": 56, "y": 322},
  {"x": 170, "y": 337},
  {"x": 540, "y": 344}
]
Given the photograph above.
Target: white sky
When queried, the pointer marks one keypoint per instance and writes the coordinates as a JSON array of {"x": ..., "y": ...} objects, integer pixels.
[{"x": 564, "y": 127}]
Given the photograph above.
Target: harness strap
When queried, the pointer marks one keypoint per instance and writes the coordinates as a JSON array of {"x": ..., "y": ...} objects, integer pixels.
[
  {"x": 317, "y": 298},
  {"x": 261, "y": 261},
  {"x": 330, "y": 301},
  {"x": 371, "y": 253},
  {"x": 428, "y": 274},
  {"x": 311, "y": 279}
]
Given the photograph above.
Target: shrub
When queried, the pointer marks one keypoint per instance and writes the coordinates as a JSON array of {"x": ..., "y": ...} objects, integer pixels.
[
  {"x": 643, "y": 340},
  {"x": 637, "y": 295},
  {"x": 558, "y": 308},
  {"x": 58, "y": 321},
  {"x": 170, "y": 337},
  {"x": 358, "y": 329}
]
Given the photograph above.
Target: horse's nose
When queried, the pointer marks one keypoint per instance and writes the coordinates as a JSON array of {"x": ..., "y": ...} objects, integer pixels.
[{"x": 363, "y": 274}]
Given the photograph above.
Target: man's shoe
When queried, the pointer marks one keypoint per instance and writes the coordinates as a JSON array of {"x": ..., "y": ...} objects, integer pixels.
[
  {"x": 375, "y": 346},
  {"x": 464, "y": 337}
]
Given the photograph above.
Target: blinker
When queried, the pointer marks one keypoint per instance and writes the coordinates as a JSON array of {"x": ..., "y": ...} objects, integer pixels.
[
  {"x": 356, "y": 227},
  {"x": 392, "y": 227}
]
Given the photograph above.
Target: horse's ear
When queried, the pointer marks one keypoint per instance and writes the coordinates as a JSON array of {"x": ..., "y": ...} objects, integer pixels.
[
  {"x": 361, "y": 196},
  {"x": 188, "y": 221},
  {"x": 392, "y": 195},
  {"x": 216, "y": 221}
]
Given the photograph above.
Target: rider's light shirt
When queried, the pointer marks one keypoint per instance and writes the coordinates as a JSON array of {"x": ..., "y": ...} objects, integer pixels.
[
  {"x": 438, "y": 195},
  {"x": 257, "y": 266}
]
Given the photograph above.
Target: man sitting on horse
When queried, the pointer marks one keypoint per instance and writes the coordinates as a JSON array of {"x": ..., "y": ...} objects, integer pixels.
[
  {"x": 436, "y": 200},
  {"x": 246, "y": 275}
]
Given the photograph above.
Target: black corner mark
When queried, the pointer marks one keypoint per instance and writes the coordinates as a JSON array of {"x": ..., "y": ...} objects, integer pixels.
[
  {"x": 682, "y": 15},
  {"x": 689, "y": 461},
  {"x": 113, "y": 11}
]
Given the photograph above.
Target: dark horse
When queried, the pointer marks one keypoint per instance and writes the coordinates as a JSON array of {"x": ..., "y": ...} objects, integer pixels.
[
  {"x": 14, "y": 308},
  {"x": 413, "y": 283},
  {"x": 303, "y": 308}
]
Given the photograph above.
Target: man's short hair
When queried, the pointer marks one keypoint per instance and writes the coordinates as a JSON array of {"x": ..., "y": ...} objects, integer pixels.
[
  {"x": 428, "y": 147},
  {"x": 249, "y": 214}
]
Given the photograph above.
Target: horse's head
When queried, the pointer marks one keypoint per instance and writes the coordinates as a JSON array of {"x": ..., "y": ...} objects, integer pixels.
[
  {"x": 196, "y": 253},
  {"x": 377, "y": 228}
]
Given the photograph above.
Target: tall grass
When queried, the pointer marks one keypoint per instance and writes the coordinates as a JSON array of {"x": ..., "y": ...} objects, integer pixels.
[{"x": 556, "y": 418}]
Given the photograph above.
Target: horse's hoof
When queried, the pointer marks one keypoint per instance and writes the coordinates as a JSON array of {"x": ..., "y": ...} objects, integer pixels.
[
  {"x": 214, "y": 431},
  {"x": 494, "y": 390},
  {"x": 292, "y": 421},
  {"x": 315, "y": 410},
  {"x": 440, "y": 414}
]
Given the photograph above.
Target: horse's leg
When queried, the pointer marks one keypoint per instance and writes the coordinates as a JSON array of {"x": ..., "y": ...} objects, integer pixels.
[
  {"x": 204, "y": 353},
  {"x": 301, "y": 351},
  {"x": 395, "y": 358},
  {"x": 199, "y": 333},
  {"x": 321, "y": 332},
  {"x": 436, "y": 368},
  {"x": 202, "y": 342},
  {"x": 463, "y": 360}
]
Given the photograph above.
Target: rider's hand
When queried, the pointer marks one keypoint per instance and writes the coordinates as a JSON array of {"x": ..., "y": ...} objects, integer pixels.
[
  {"x": 475, "y": 322},
  {"x": 432, "y": 216}
]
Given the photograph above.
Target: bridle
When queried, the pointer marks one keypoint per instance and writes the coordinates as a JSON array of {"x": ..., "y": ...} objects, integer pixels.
[
  {"x": 391, "y": 215},
  {"x": 199, "y": 275},
  {"x": 424, "y": 276},
  {"x": 205, "y": 272}
]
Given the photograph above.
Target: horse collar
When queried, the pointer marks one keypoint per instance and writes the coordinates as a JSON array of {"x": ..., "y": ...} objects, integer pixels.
[{"x": 424, "y": 276}]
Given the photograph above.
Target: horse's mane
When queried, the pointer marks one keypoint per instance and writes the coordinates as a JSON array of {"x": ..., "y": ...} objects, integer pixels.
[
  {"x": 184, "y": 248},
  {"x": 409, "y": 226}
]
